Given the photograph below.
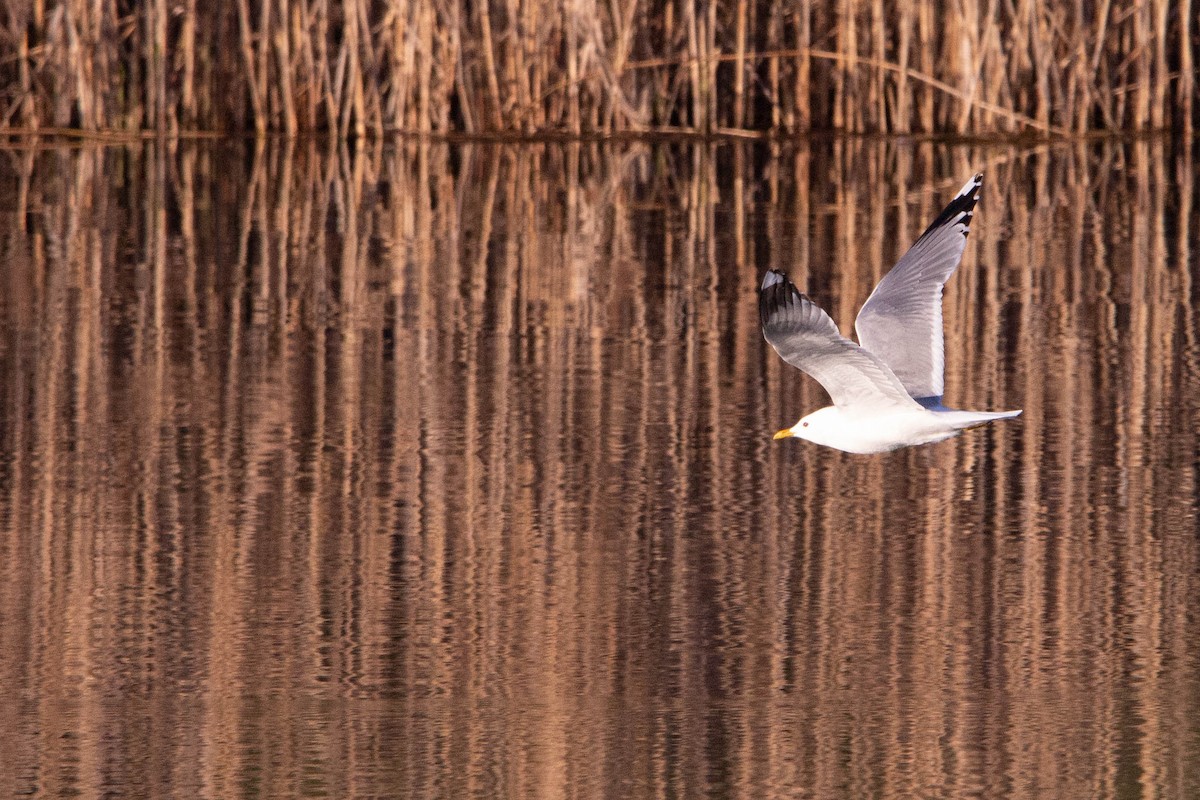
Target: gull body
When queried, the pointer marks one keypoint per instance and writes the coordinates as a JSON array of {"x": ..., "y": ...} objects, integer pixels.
[
  {"x": 890, "y": 430},
  {"x": 886, "y": 390}
]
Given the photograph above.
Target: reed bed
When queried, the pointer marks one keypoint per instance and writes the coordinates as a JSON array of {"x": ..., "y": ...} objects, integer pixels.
[{"x": 356, "y": 67}]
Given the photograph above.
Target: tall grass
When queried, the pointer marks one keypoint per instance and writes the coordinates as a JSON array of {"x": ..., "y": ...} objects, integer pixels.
[{"x": 356, "y": 67}]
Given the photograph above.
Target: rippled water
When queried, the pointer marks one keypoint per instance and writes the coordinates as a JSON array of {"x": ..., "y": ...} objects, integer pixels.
[{"x": 445, "y": 470}]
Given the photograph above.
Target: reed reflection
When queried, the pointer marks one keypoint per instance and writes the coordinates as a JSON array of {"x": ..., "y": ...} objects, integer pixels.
[{"x": 445, "y": 470}]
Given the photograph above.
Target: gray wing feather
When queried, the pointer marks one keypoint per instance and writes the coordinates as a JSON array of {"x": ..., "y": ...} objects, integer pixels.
[
  {"x": 806, "y": 337},
  {"x": 901, "y": 322}
]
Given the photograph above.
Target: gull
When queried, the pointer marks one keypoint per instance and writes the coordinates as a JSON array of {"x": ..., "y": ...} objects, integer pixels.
[{"x": 887, "y": 389}]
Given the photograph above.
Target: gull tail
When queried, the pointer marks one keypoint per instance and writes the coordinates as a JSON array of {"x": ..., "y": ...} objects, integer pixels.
[{"x": 969, "y": 419}]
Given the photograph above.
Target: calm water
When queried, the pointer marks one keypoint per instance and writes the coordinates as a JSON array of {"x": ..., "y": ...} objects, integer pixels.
[{"x": 445, "y": 471}]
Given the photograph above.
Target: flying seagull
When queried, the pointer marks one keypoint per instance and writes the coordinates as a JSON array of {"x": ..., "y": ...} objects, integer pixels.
[{"x": 886, "y": 390}]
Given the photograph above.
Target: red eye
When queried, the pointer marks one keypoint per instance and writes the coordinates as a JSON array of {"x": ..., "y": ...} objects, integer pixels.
[{"x": 806, "y": 424}]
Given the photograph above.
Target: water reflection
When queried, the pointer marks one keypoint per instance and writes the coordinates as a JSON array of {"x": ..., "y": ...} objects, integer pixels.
[{"x": 445, "y": 471}]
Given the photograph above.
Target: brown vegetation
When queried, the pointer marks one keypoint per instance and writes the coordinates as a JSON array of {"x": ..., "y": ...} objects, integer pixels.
[{"x": 354, "y": 67}]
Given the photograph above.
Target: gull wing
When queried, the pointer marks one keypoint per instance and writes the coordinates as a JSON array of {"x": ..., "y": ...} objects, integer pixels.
[
  {"x": 806, "y": 337},
  {"x": 901, "y": 322}
]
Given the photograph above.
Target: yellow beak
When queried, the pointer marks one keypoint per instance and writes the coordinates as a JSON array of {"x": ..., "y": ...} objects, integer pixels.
[{"x": 786, "y": 433}]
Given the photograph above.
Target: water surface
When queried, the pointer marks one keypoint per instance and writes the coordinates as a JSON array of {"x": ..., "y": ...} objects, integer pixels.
[{"x": 445, "y": 470}]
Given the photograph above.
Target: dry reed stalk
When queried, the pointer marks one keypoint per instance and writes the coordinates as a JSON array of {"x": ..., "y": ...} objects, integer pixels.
[
  {"x": 306, "y": 82},
  {"x": 256, "y": 95},
  {"x": 803, "y": 92},
  {"x": 1186, "y": 86},
  {"x": 841, "y": 77},
  {"x": 516, "y": 76},
  {"x": 963, "y": 57},
  {"x": 158, "y": 65},
  {"x": 1162, "y": 81},
  {"x": 448, "y": 60},
  {"x": 1080, "y": 82},
  {"x": 877, "y": 101},
  {"x": 1143, "y": 86},
  {"x": 424, "y": 50},
  {"x": 373, "y": 83},
  {"x": 775, "y": 67},
  {"x": 574, "y": 115},
  {"x": 316, "y": 57},
  {"x": 666, "y": 86},
  {"x": 283, "y": 53},
  {"x": 974, "y": 60},
  {"x": 710, "y": 73},
  {"x": 266, "y": 86},
  {"x": 739, "y": 65},
  {"x": 75, "y": 66},
  {"x": 396, "y": 82},
  {"x": 489, "y": 65},
  {"x": 354, "y": 109},
  {"x": 187, "y": 56},
  {"x": 900, "y": 121},
  {"x": 926, "y": 35},
  {"x": 695, "y": 65}
]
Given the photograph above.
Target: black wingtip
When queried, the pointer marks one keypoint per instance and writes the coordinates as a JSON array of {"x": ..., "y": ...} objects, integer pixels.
[
  {"x": 773, "y": 277},
  {"x": 776, "y": 292},
  {"x": 960, "y": 210},
  {"x": 777, "y": 285},
  {"x": 971, "y": 188}
]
